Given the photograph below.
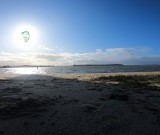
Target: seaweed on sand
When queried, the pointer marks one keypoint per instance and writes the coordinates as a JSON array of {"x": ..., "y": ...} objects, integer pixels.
[{"x": 136, "y": 81}]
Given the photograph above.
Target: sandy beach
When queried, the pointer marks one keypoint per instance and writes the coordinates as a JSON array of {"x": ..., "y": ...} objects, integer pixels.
[{"x": 80, "y": 104}]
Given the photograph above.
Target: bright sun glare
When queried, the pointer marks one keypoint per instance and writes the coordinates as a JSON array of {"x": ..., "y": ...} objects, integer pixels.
[{"x": 19, "y": 39}]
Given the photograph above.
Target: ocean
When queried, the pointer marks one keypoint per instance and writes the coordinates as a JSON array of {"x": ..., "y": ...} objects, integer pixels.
[{"x": 80, "y": 69}]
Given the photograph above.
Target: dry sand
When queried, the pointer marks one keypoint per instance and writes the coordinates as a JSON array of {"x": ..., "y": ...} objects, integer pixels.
[{"x": 71, "y": 104}]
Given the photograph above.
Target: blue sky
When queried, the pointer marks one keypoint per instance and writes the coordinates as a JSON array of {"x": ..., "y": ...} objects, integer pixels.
[{"x": 82, "y": 31}]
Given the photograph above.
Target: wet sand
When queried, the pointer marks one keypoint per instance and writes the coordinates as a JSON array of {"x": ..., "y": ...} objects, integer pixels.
[{"x": 77, "y": 104}]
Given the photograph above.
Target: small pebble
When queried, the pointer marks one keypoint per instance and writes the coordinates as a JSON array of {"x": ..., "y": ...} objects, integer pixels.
[
  {"x": 95, "y": 134},
  {"x": 60, "y": 96},
  {"x": 1, "y": 132},
  {"x": 52, "y": 123},
  {"x": 42, "y": 122},
  {"x": 25, "y": 123}
]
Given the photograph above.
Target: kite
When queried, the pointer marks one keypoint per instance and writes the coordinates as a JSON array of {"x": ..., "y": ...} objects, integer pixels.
[{"x": 26, "y": 35}]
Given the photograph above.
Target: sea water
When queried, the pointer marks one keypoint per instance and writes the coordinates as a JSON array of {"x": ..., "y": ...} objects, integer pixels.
[{"x": 80, "y": 69}]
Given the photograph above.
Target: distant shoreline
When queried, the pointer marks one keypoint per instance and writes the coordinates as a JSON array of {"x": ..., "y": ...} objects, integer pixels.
[
  {"x": 7, "y": 66},
  {"x": 100, "y": 65},
  {"x": 75, "y": 65}
]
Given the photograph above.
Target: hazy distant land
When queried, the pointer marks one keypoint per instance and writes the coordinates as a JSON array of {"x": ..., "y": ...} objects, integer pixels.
[{"x": 99, "y": 65}]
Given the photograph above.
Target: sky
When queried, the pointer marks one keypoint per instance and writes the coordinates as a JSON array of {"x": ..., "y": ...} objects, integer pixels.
[{"x": 66, "y": 32}]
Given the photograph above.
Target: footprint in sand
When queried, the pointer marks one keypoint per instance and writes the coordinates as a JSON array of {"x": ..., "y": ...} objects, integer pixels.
[
  {"x": 95, "y": 89},
  {"x": 88, "y": 108},
  {"x": 151, "y": 108},
  {"x": 71, "y": 101},
  {"x": 121, "y": 97},
  {"x": 11, "y": 90}
]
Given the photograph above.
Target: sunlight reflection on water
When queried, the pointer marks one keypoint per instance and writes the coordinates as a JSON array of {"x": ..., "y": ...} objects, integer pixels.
[{"x": 26, "y": 70}]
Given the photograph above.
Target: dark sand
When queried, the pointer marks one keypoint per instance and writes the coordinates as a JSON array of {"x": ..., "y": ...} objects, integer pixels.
[{"x": 49, "y": 105}]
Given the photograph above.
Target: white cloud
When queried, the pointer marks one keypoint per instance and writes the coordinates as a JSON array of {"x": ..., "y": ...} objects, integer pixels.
[
  {"x": 108, "y": 56},
  {"x": 44, "y": 48}
]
